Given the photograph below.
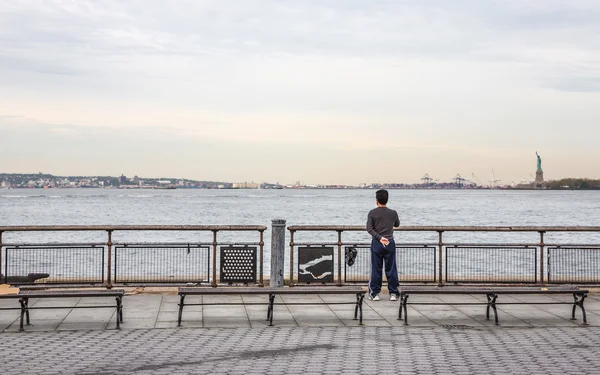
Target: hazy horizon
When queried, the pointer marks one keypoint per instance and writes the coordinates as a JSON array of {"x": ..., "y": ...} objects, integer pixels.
[{"x": 322, "y": 92}]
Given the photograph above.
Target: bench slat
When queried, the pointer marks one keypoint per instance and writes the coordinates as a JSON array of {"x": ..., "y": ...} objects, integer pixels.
[
  {"x": 284, "y": 290},
  {"x": 66, "y": 293},
  {"x": 487, "y": 290}
]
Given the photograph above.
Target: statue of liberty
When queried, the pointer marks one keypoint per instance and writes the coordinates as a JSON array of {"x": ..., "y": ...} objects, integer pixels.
[{"x": 539, "y": 162}]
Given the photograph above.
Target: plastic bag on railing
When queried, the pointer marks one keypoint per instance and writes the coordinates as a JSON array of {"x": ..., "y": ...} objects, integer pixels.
[{"x": 351, "y": 254}]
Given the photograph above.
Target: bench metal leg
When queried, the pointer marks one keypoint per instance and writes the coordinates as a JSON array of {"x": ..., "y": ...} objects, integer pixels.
[
  {"x": 358, "y": 307},
  {"x": 119, "y": 312},
  {"x": 491, "y": 302},
  {"x": 403, "y": 306},
  {"x": 578, "y": 299},
  {"x": 270, "y": 311},
  {"x": 23, "y": 303},
  {"x": 181, "y": 304},
  {"x": 27, "y": 311},
  {"x": 400, "y": 308}
]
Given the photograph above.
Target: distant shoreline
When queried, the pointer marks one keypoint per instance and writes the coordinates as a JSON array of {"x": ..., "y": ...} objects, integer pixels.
[{"x": 299, "y": 188}]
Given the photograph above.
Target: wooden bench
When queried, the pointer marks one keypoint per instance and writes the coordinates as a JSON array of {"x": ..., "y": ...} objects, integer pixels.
[
  {"x": 271, "y": 293},
  {"x": 492, "y": 294},
  {"x": 24, "y": 296}
]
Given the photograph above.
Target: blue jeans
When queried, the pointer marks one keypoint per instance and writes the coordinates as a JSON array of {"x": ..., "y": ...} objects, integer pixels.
[{"x": 379, "y": 255}]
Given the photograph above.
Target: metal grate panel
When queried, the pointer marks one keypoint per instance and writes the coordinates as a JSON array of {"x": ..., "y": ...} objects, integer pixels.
[
  {"x": 238, "y": 264},
  {"x": 414, "y": 263},
  {"x": 577, "y": 265},
  {"x": 492, "y": 264},
  {"x": 161, "y": 263},
  {"x": 64, "y": 264}
]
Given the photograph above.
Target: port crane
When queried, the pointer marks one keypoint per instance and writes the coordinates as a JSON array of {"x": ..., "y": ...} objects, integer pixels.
[
  {"x": 426, "y": 179},
  {"x": 494, "y": 181},
  {"x": 458, "y": 180}
]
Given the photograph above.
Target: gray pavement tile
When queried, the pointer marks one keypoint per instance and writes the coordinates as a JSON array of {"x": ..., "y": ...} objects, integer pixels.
[
  {"x": 222, "y": 299},
  {"x": 91, "y": 315},
  {"x": 319, "y": 322},
  {"x": 173, "y": 324},
  {"x": 143, "y": 300},
  {"x": 226, "y": 322},
  {"x": 77, "y": 326},
  {"x": 36, "y": 326},
  {"x": 366, "y": 323},
  {"x": 338, "y": 298},
  {"x": 168, "y": 316},
  {"x": 302, "y": 298},
  {"x": 97, "y": 301},
  {"x": 130, "y": 323},
  {"x": 132, "y": 313},
  {"x": 166, "y": 307},
  {"x": 192, "y": 315},
  {"x": 184, "y": 324},
  {"x": 277, "y": 322},
  {"x": 260, "y": 312},
  {"x": 66, "y": 302},
  {"x": 260, "y": 299},
  {"x": 224, "y": 311},
  {"x": 51, "y": 314}
]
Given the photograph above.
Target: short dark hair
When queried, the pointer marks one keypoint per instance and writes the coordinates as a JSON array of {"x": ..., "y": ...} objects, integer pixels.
[{"x": 382, "y": 196}]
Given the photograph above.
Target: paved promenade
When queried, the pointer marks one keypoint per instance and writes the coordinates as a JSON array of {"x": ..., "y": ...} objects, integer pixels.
[{"x": 306, "y": 339}]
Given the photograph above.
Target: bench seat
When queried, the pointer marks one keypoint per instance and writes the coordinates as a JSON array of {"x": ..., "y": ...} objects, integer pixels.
[
  {"x": 492, "y": 294},
  {"x": 24, "y": 296},
  {"x": 271, "y": 293}
]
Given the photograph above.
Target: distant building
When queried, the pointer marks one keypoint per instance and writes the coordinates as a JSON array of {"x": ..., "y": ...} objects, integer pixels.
[{"x": 245, "y": 185}]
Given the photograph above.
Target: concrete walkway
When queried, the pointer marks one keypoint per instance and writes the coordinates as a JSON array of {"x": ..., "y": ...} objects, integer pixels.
[
  {"x": 147, "y": 311},
  {"x": 532, "y": 339}
]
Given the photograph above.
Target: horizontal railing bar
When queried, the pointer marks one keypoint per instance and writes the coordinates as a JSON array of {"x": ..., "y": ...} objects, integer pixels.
[
  {"x": 52, "y": 228},
  {"x": 50, "y": 244},
  {"x": 351, "y": 228},
  {"x": 357, "y": 244},
  {"x": 588, "y": 245},
  {"x": 185, "y": 244},
  {"x": 428, "y": 245}
]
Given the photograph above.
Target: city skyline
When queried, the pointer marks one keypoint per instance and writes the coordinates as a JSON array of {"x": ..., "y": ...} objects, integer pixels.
[
  {"x": 340, "y": 92},
  {"x": 48, "y": 180}
]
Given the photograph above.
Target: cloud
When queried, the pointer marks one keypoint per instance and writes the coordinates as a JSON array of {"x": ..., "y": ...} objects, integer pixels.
[{"x": 451, "y": 78}]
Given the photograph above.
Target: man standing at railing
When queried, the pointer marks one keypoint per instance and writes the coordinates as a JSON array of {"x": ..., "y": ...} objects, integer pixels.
[{"x": 380, "y": 225}]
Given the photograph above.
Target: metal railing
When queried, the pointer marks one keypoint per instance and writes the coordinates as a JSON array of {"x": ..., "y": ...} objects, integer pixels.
[
  {"x": 454, "y": 262},
  {"x": 132, "y": 263}
]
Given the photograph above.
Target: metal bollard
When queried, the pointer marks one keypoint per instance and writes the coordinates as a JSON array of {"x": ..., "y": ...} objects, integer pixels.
[{"x": 277, "y": 252}]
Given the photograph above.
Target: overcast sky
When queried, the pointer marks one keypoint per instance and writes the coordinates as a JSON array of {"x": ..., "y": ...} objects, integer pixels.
[{"x": 343, "y": 91}]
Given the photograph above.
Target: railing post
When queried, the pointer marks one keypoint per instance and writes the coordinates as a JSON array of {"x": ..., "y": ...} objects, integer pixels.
[
  {"x": 339, "y": 257},
  {"x": 542, "y": 245},
  {"x": 291, "y": 258},
  {"x": 109, "y": 260},
  {"x": 214, "y": 278},
  {"x": 440, "y": 251},
  {"x": 1, "y": 277},
  {"x": 277, "y": 252},
  {"x": 261, "y": 244}
]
